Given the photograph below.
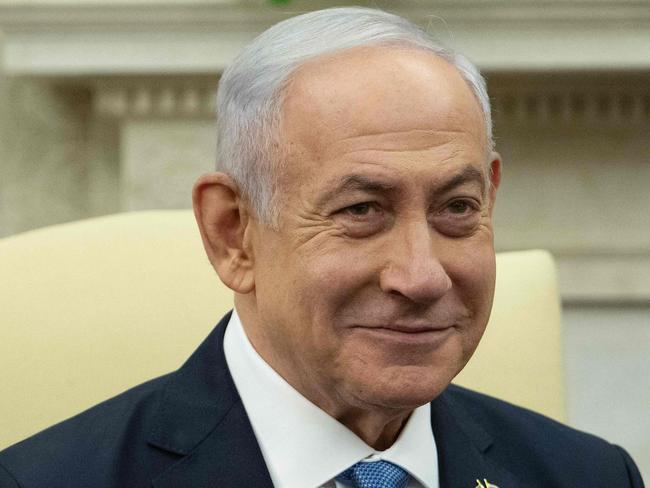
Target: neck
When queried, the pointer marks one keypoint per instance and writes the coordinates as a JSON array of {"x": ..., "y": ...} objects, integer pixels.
[{"x": 379, "y": 430}]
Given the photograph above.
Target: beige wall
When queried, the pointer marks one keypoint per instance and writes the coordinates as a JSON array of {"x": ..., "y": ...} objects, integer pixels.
[{"x": 96, "y": 121}]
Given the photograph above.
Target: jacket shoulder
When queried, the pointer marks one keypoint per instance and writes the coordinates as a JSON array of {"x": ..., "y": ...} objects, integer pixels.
[
  {"x": 542, "y": 447},
  {"x": 495, "y": 414},
  {"x": 73, "y": 452}
]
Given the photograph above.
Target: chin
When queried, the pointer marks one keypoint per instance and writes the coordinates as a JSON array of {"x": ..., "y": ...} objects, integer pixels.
[{"x": 405, "y": 387}]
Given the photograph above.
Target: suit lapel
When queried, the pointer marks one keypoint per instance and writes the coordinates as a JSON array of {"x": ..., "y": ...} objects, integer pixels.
[
  {"x": 228, "y": 457},
  {"x": 464, "y": 449},
  {"x": 201, "y": 417}
]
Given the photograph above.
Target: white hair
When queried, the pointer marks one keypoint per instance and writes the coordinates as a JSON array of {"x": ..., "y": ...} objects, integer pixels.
[{"x": 251, "y": 89}]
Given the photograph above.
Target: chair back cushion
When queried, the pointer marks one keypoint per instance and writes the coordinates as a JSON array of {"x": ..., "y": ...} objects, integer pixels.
[{"x": 91, "y": 308}]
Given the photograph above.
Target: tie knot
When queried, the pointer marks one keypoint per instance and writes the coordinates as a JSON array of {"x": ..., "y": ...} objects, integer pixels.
[{"x": 375, "y": 474}]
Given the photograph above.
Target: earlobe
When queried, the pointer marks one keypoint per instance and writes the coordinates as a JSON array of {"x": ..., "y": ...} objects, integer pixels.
[{"x": 222, "y": 217}]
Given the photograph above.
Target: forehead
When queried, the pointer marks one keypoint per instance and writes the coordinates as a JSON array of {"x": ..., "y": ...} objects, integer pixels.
[{"x": 377, "y": 91}]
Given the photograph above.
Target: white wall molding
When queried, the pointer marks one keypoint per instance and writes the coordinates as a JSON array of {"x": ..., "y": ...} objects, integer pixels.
[
  {"x": 234, "y": 13},
  {"x": 598, "y": 100},
  {"x": 578, "y": 102},
  {"x": 65, "y": 37},
  {"x": 189, "y": 97}
]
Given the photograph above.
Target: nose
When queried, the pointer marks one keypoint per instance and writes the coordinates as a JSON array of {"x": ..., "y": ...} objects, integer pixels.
[{"x": 413, "y": 270}]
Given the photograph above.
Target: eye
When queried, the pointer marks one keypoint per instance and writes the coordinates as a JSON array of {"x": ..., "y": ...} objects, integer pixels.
[
  {"x": 360, "y": 209},
  {"x": 362, "y": 219},
  {"x": 461, "y": 207},
  {"x": 458, "y": 218}
]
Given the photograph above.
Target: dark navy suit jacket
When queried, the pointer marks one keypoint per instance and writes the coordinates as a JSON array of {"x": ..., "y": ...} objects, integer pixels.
[{"x": 189, "y": 429}]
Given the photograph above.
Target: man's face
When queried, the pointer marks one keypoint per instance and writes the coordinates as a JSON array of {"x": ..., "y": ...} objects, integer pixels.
[{"x": 378, "y": 284}]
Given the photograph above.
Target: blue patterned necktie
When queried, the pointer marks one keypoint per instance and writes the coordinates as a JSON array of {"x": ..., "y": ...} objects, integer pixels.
[{"x": 375, "y": 474}]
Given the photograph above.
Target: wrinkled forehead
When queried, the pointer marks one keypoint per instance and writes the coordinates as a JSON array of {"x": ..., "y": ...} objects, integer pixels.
[{"x": 376, "y": 90}]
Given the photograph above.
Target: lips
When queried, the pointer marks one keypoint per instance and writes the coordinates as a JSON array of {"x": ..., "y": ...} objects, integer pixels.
[
  {"x": 409, "y": 335},
  {"x": 413, "y": 329},
  {"x": 419, "y": 327}
]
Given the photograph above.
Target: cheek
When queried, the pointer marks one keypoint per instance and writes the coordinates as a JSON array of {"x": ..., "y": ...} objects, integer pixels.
[
  {"x": 480, "y": 278},
  {"x": 472, "y": 271},
  {"x": 315, "y": 291},
  {"x": 328, "y": 283}
]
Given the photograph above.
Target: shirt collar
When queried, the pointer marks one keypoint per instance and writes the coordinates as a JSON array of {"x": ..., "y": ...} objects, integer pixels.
[{"x": 302, "y": 445}]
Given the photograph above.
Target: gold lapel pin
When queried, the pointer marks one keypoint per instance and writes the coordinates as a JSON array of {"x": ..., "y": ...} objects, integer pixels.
[{"x": 487, "y": 484}]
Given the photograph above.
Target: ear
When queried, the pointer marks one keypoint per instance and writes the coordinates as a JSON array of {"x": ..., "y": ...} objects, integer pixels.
[
  {"x": 223, "y": 218},
  {"x": 495, "y": 177}
]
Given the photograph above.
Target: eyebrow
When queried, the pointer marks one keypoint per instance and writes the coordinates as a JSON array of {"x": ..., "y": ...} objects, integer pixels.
[
  {"x": 363, "y": 183},
  {"x": 359, "y": 183},
  {"x": 355, "y": 182},
  {"x": 469, "y": 174}
]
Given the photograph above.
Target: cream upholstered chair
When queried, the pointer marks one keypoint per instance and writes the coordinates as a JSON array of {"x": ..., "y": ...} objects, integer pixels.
[{"x": 91, "y": 308}]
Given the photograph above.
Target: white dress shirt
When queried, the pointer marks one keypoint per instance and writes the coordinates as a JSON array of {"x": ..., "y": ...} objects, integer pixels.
[{"x": 303, "y": 446}]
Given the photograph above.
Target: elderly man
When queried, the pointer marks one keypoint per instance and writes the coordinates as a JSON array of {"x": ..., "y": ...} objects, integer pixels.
[{"x": 352, "y": 216}]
